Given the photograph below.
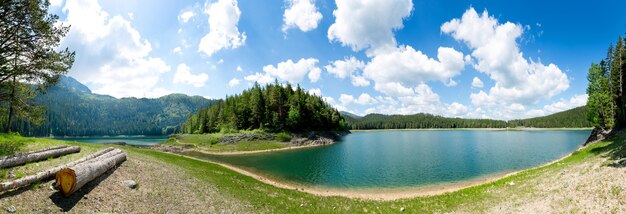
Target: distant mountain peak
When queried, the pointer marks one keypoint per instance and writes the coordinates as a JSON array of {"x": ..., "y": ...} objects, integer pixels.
[
  {"x": 73, "y": 84},
  {"x": 345, "y": 113}
]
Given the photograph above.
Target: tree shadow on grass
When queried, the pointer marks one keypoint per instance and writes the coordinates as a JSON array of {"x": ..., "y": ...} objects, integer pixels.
[
  {"x": 67, "y": 203},
  {"x": 615, "y": 151}
]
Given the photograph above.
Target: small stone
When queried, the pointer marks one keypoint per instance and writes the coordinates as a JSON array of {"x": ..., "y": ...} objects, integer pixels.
[
  {"x": 511, "y": 183},
  {"x": 401, "y": 209},
  {"x": 11, "y": 209},
  {"x": 130, "y": 184},
  {"x": 85, "y": 197},
  {"x": 301, "y": 205}
]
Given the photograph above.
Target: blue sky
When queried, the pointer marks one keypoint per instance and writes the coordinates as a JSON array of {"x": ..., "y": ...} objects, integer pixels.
[{"x": 474, "y": 59}]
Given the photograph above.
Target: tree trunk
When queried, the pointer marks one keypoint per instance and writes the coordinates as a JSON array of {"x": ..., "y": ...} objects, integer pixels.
[
  {"x": 49, "y": 173},
  {"x": 36, "y": 156},
  {"x": 10, "y": 116},
  {"x": 70, "y": 179}
]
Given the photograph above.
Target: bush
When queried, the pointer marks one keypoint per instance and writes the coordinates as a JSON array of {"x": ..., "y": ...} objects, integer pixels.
[{"x": 283, "y": 137}]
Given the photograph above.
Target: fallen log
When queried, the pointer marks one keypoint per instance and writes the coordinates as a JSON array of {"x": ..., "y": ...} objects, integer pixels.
[
  {"x": 33, "y": 152},
  {"x": 70, "y": 179},
  {"x": 27, "y": 180},
  {"x": 36, "y": 156}
]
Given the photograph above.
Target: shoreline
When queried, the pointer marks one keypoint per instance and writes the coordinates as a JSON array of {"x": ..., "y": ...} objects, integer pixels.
[
  {"x": 380, "y": 194},
  {"x": 473, "y": 129},
  {"x": 261, "y": 151}
]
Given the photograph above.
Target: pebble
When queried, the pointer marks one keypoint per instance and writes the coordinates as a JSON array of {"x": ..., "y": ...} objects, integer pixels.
[
  {"x": 11, "y": 209},
  {"x": 563, "y": 172},
  {"x": 130, "y": 184},
  {"x": 511, "y": 183},
  {"x": 301, "y": 205},
  {"x": 401, "y": 209}
]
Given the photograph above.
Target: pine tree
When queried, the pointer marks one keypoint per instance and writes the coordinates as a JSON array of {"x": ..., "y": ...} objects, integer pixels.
[{"x": 28, "y": 39}]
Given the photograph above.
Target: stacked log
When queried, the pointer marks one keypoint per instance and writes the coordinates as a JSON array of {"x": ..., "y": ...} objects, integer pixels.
[
  {"x": 50, "y": 172},
  {"x": 38, "y": 155},
  {"x": 70, "y": 179}
]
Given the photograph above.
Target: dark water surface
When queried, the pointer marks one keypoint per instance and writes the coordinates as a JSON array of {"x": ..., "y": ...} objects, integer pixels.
[
  {"x": 391, "y": 159},
  {"x": 133, "y": 140}
]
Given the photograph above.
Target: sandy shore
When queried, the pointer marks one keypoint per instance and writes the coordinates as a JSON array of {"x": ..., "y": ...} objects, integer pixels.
[{"x": 376, "y": 194}]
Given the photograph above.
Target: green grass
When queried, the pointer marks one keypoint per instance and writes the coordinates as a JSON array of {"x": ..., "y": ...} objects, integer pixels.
[
  {"x": 211, "y": 142},
  {"x": 265, "y": 198}
]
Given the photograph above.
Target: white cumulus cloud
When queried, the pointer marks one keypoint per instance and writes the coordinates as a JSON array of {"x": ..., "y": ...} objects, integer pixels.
[
  {"x": 349, "y": 67},
  {"x": 368, "y": 24},
  {"x": 183, "y": 75},
  {"x": 315, "y": 91},
  {"x": 223, "y": 31},
  {"x": 366, "y": 99},
  {"x": 495, "y": 47},
  {"x": 301, "y": 14},
  {"x": 113, "y": 57},
  {"x": 406, "y": 67},
  {"x": 233, "y": 82},
  {"x": 185, "y": 16},
  {"x": 293, "y": 72},
  {"x": 477, "y": 83}
]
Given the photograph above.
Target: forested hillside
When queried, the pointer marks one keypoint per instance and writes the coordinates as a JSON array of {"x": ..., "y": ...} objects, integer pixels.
[
  {"x": 273, "y": 108},
  {"x": 573, "y": 118},
  {"x": 418, "y": 121},
  {"x": 72, "y": 110}
]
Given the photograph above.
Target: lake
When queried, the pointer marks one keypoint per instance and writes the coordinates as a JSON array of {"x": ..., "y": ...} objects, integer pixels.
[
  {"x": 412, "y": 158},
  {"x": 132, "y": 140}
]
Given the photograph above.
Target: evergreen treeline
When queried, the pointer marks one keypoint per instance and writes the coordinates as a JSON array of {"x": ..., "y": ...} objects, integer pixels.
[
  {"x": 573, "y": 118},
  {"x": 605, "y": 105},
  {"x": 72, "y": 110},
  {"x": 273, "y": 108},
  {"x": 419, "y": 121}
]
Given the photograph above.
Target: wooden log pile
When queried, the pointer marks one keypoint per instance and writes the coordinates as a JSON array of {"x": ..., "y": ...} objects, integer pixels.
[
  {"x": 99, "y": 161},
  {"x": 71, "y": 178},
  {"x": 23, "y": 158}
]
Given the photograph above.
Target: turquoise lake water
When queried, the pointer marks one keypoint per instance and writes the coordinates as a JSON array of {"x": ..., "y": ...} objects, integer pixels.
[
  {"x": 392, "y": 159},
  {"x": 139, "y": 141}
]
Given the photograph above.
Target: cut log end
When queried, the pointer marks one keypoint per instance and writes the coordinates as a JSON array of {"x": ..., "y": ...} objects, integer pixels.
[{"x": 66, "y": 181}]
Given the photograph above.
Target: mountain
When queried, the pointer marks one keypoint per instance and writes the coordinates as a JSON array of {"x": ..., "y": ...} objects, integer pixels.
[
  {"x": 573, "y": 118},
  {"x": 348, "y": 114},
  {"x": 73, "y": 110}
]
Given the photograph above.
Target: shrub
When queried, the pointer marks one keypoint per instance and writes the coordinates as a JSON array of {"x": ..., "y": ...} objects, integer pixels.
[{"x": 283, "y": 137}]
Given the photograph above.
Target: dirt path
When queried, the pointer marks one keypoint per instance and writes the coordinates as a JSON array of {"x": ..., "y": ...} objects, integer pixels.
[{"x": 163, "y": 188}]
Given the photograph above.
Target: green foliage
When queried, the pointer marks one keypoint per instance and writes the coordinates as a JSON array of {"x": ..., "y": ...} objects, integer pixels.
[
  {"x": 418, "y": 121},
  {"x": 29, "y": 40},
  {"x": 283, "y": 137},
  {"x": 273, "y": 108},
  {"x": 9, "y": 148},
  {"x": 600, "y": 103},
  {"x": 573, "y": 118},
  {"x": 72, "y": 110},
  {"x": 606, "y": 102}
]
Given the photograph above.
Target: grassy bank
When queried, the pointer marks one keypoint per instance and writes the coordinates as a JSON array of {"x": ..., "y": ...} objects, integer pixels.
[
  {"x": 230, "y": 142},
  {"x": 589, "y": 180}
]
